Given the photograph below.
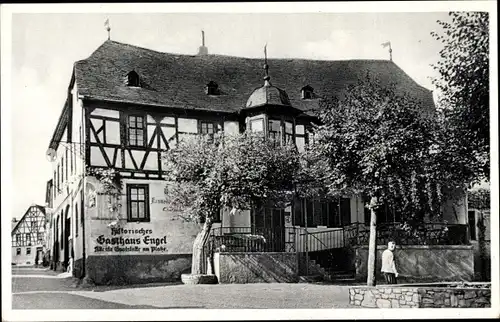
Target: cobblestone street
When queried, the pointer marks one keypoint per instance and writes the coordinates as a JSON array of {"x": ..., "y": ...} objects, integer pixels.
[{"x": 41, "y": 289}]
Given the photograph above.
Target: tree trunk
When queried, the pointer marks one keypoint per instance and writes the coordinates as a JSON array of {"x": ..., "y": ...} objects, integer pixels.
[
  {"x": 199, "y": 242},
  {"x": 372, "y": 245}
]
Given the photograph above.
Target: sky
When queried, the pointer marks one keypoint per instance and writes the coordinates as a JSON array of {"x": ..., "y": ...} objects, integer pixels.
[{"x": 45, "y": 46}]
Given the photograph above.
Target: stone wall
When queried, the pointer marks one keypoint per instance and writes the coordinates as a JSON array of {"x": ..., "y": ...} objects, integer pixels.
[
  {"x": 482, "y": 269},
  {"x": 423, "y": 263},
  {"x": 256, "y": 267},
  {"x": 131, "y": 269},
  {"x": 408, "y": 296}
]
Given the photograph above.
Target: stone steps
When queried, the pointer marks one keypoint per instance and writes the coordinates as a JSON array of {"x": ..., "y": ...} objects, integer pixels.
[{"x": 331, "y": 276}]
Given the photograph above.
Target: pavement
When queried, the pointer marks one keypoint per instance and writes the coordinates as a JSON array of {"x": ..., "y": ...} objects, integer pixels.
[{"x": 45, "y": 289}]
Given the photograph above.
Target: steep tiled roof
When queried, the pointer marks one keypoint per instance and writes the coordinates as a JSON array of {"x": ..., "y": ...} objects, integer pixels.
[
  {"x": 14, "y": 225},
  {"x": 179, "y": 80}
]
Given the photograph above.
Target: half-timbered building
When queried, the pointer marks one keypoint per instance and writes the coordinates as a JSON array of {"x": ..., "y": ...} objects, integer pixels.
[
  {"x": 29, "y": 237},
  {"x": 126, "y": 105}
]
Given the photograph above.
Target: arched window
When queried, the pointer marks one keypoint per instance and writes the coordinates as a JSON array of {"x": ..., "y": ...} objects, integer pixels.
[
  {"x": 307, "y": 92},
  {"x": 133, "y": 79},
  {"x": 212, "y": 88}
]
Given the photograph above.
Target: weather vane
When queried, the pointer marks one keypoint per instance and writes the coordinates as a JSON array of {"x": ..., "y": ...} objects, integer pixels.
[
  {"x": 108, "y": 28},
  {"x": 266, "y": 66},
  {"x": 388, "y": 44}
]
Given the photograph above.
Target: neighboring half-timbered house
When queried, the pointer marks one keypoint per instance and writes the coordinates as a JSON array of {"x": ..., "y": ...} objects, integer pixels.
[
  {"x": 28, "y": 237},
  {"x": 126, "y": 105}
]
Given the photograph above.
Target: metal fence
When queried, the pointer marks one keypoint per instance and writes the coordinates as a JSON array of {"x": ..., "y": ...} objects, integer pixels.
[
  {"x": 304, "y": 241},
  {"x": 423, "y": 234},
  {"x": 248, "y": 240}
]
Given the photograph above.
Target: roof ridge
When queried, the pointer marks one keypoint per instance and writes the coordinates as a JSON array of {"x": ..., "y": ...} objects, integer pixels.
[{"x": 235, "y": 56}]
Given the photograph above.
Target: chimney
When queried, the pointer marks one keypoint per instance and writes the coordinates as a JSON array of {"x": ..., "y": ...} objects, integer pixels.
[{"x": 203, "y": 50}]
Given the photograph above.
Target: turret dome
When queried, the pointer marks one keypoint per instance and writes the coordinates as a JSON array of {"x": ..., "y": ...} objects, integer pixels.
[{"x": 268, "y": 95}]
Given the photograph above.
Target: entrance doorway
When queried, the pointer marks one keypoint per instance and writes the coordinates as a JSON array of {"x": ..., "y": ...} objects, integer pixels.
[
  {"x": 67, "y": 231},
  {"x": 270, "y": 223}
]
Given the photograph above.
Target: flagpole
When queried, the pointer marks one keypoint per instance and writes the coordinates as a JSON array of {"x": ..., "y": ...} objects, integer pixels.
[{"x": 108, "y": 28}]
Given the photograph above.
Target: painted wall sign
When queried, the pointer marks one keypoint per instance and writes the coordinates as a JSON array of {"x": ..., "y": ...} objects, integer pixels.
[
  {"x": 135, "y": 240},
  {"x": 161, "y": 201}
]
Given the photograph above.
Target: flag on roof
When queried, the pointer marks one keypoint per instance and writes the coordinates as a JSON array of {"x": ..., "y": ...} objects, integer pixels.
[{"x": 386, "y": 44}]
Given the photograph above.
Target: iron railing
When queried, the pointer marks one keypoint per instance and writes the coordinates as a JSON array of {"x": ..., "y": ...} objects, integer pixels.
[
  {"x": 422, "y": 234},
  {"x": 321, "y": 240},
  {"x": 291, "y": 239},
  {"x": 253, "y": 239}
]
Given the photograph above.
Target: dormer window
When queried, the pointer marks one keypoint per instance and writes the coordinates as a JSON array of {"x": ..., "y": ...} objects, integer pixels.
[
  {"x": 212, "y": 88},
  {"x": 307, "y": 92},
  {"x": 133, "y": 79}
]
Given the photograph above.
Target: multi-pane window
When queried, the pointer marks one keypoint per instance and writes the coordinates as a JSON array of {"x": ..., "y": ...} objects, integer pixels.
[
  {"x": 40, "y": 238},
  {"x": 18, "y": 239},
  {"x": 136, "y": 131},
  {"x": 28, "y": 239},
  {"x": 275, "y": 130},
  {"x": 288, "y": 132},
  {"x": 331, "y": 214},
  {"x": 385, "y": 214},
  {"x": 138, "y": 202},
  {"x": 18, "y": 251},
  {"x": 28, "y": 251},
  {"x": 208, "y": 129}
]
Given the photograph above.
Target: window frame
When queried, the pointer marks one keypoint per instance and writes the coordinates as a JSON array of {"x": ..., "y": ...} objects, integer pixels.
[
  {"x": 289, "y": 137},
  {"x": 307, "y": 92},
  {"x": 212, "y": 89},
  {"x": 28, "y": 251},
  {"x": 275, "y": 136},
  {"x": 18, "y": 251},
  {"x": 133, "y": 79},
  {"x": 215, "y": 127},
  {"x": 143, "y": 128},
  {"x": 147, "y": 215},
  {"x": 262, "y": 121},
  {"x": 324, "y": 213}
]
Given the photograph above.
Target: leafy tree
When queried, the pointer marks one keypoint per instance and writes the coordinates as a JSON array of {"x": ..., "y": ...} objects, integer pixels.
[
  {"x": 479, "y": 199},
  {"x": 463, "y": 86},
  {"x": 234, "y": 172},
  {"x": 380, "y": 144}
]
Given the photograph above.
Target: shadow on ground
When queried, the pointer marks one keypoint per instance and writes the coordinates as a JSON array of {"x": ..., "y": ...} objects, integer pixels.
[{"x": 52, "y": 301}]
